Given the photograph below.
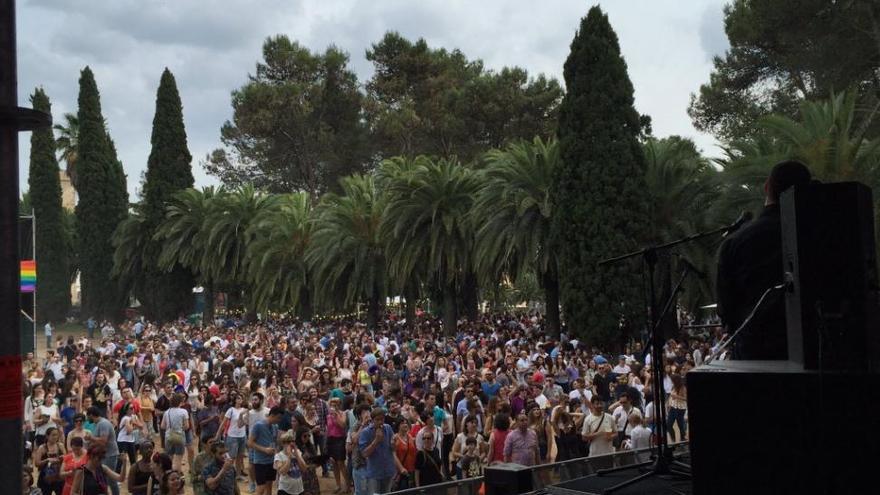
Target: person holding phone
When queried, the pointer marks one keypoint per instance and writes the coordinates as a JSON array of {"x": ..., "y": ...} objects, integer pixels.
[{"x": 220, "y": 475}]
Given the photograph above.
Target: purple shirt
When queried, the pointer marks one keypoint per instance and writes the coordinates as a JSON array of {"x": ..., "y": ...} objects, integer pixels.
[{"x": 521, "y": 447}]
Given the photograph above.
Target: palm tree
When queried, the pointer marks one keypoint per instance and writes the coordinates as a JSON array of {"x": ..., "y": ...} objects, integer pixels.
[
  {"x": 396, "y": 172},
  {"x": 347, "y": 253},
  {"x": 427, "y": 223},
  {"x": 183, "y": 235},
  {"x": 278, "y": 238},
  {"x": 828, "y": 136},
  {"x": 227, "y": 236},
  {"x": 68, "y": 137},
  {"x": 682, "y": 187},
  {"x": 129, "y": 242},
  {"x": 513, "y": 209}
]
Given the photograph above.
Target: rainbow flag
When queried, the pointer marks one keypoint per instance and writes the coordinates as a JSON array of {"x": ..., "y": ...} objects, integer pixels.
[{"x": 28, "y": 276}]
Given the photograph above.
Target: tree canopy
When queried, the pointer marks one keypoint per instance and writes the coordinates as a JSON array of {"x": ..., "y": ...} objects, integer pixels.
[{"x": 783, "y": 52}]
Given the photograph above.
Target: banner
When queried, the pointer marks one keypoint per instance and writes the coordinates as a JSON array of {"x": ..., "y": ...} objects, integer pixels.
[{"x": 28, "y": 276}]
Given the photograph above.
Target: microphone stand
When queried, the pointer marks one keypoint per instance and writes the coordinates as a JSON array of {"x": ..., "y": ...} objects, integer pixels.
[{"x": 663, "y": 461}]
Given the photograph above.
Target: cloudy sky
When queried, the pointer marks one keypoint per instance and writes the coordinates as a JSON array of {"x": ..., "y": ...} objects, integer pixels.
[{"x": 212, "y": 45}]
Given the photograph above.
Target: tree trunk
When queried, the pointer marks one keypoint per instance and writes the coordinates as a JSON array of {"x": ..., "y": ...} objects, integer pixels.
[
  {"x": 208, "y": 313},
  {"x": 450, "y": 309},
  {"x": 411, "y": 294},
  {"x": 471, "y": 296},
  {"x": 373, "y": 306},
  {"x": 551, "y": 303},
  {"x": 305, "y": 304}
]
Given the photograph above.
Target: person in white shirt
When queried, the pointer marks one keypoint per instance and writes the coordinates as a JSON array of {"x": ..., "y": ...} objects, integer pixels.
[
  {"x": 599, "y": 429},
  {"x": 639, "y": 437},
  {"x": 621, "y": 411},
  {"x": 583, "y": 394},
  {"x": 622, "y": 368},
  {"x": 47, "y": 331}
]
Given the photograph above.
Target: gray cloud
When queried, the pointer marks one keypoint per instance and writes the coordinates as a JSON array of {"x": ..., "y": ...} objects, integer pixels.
[
  {"x": 212, "y": 45},
  {"x": 713, "y": 39}
]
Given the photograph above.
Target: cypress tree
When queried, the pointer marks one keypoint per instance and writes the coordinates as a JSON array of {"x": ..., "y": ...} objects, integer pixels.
[
  {"x": 599, "y": 187},
  {"x": 53, "y": 292},
  {"x": 169, "y": 170},
  {"x": 102, "y": 204}
]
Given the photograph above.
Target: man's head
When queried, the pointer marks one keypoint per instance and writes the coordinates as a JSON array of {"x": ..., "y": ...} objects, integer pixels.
[
  {"x": 377, "y": 415},
  {"x": 256, "y": 400},
  {"x": 93, "y": 413},
  {"x": 275, "y": 415},
  {"x": 598, "y": 405},
  {"x": 522, "y": 422},
  {"x": 218, "y": 451},
  {"x": 784, "y": 175}
]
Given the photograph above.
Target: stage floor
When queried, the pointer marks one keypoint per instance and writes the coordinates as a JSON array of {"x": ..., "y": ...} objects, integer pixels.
[{"x": 596, "y": 484}]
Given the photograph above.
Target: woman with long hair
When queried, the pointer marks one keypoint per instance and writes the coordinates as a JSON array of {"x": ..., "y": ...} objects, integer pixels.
[
  {"x": 305, "y": 443},
  {"x": 459, "y": 447},
  {"x": 539, "y": 424},
  {"x": 405, "y": 448},
  {"x": 47, "y": 460},
  {"x": 337, "y": 427},
  {"x": 93, "y": 477},
  {"x": 130, "y": 430},
  {"x": 172, "y": 483},
  {"x": 73, "y": 460},
  {"x": 142, "y": 470},
  {"x": 501, "y": 427},
  {"x": 677, "y": 408}
]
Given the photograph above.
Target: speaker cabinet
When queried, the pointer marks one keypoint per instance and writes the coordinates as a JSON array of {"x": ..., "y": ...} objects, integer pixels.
[
  {"x": 507, "y": 479},
  {"x": 829, "y": 255}
]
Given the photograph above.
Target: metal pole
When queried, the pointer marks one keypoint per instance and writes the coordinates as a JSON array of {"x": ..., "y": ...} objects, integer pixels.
[
  {"x": 36, "y": 288},
  {"x": 11, "y": 400}
]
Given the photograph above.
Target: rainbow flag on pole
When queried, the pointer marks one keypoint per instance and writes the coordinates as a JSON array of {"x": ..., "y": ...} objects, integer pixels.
[{"x": 28, "y": 276}]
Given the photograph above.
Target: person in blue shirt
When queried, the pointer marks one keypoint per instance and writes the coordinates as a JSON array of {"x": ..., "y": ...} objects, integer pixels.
[
  {"x": 382, "y": 462},
  {"x": 262, "y": 441}
]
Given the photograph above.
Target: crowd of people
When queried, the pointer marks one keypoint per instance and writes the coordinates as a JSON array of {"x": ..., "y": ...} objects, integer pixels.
[{"x": 151, "y": 409}]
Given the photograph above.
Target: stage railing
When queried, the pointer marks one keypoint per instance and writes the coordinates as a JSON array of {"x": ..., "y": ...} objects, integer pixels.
[{"x": 547, "y": 474}]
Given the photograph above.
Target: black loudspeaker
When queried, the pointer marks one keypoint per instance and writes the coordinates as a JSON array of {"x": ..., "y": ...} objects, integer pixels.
[
  {"x": 507, "y": 479},
  {"x": 829, "y": 255},
  {"x": 771, "y": 427}
]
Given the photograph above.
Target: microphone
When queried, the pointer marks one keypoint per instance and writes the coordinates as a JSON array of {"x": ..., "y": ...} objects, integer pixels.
[{"x": 744, "y": 218}]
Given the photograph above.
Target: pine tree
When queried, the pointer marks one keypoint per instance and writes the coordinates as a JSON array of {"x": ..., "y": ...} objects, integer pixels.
[
  {"x": 599, "y": 188},
  {"x": 103, "y": 202},
  {"x": 169, "y": 170},
  {"x": 53, "y": 292}
]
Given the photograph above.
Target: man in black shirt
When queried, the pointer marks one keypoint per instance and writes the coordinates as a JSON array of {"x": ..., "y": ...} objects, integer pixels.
[{"x": 749, "y": 263}]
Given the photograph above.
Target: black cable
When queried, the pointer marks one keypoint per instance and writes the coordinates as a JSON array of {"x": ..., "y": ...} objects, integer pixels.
[{"x": 745, "y": 324}]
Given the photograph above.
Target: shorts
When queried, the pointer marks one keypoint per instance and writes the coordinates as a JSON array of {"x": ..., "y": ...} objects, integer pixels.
[
  {"x": 235, "y": 446},
  {"x": 336, "y": 448},
  {"x": 264, "y": 473}
]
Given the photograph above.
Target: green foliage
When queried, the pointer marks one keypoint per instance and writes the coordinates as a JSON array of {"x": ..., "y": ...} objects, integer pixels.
[
  {"x": 682, "y": 190},
  {"x": 783, "y": 52},
  {"x": 296, "y": 123},
  {"x": 164, "y": 294},
  {"x": 514, "y": 210},
  {"x": 427, "y": 225},
  {"x": 825, "y": 136},
  {"x": 51, "y": 238},
  {"x": 66, "y": 143},
  {"x": 347, "y": 252},
  {"x": 102, "y": 205},
  {"x": 600, "y": 205},
  {"x": 430, "y": 101},
  {"x": 280, "y": 234}
]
